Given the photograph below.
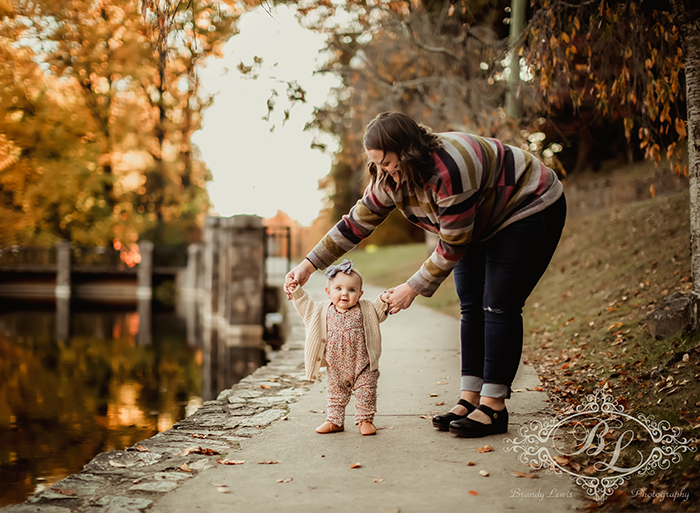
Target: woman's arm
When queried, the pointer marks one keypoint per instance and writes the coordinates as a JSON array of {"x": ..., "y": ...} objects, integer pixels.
[
  {"x": 401, "y": 298},
  {"x": 298, "y": 276},
  {"x": 364, "y": 217}
]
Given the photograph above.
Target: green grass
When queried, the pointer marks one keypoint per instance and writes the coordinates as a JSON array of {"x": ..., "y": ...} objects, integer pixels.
[{"x": 585, "y": 322}]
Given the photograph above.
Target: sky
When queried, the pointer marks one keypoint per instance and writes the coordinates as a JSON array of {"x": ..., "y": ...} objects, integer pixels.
[{"x": 256, "y": 171}]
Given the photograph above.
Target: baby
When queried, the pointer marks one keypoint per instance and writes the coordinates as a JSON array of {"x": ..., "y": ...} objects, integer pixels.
[{"x": 343, "y": 334}]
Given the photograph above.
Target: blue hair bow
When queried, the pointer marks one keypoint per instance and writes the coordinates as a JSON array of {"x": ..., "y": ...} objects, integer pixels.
[{"x": 343, "y": 267}]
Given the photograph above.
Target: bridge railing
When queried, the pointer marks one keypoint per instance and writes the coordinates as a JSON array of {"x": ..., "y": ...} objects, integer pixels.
[
  {"x": 99, "y": 256},
  {"x": 26, "y": 256}
]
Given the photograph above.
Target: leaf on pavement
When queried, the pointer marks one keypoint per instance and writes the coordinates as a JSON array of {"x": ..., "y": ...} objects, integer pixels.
[
  {"x": 285, "y": 480},
  {"x": 425, "y": 417},
  {"x": 440, "y": 403},
  {"x": 269, "y": 462},
  {"x": 433, "y": 395},
  {"x": 470, "y": 464},
  {"x": 472, "y": 492},
  {"x": 516, "y": 473},
  {"x": 561, "y": 460},
  {"x": 355, "y": 465},
  {"x": 185, "y": 467},
  {"x": 484, "y": 449},
  {"x": 198, "y": 450},
  {"x": 223, "y": 489},
  {"x": 230, "y": 462},
  {"x": 378, "y": 479},
  {"x": 141, "y": 448},
  {"x": 484, "y": 473},
  {"x": 117, "y": 464}
]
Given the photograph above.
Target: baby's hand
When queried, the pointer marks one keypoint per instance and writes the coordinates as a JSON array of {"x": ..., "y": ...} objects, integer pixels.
[
  {"x": 291, "y": 287},
  {"x": 385, "y": 296}
]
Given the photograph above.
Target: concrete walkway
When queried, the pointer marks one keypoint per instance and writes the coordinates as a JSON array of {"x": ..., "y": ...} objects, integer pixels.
[{"x": 407, "y": 467}]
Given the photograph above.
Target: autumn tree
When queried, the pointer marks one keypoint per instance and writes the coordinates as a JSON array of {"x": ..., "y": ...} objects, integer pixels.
[
  {"x": 126, "y": 114},
  {"x": 638, "y": 61},
  {"x": 440, "y": 62}
]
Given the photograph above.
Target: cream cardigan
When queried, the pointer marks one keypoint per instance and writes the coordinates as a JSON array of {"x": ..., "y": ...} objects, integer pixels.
[{"x": 314, "y": 314}]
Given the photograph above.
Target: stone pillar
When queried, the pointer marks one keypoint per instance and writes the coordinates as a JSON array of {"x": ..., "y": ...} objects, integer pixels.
[
  {"x": 144, "y": 292},
  {"x": 144, "y": 272},
  {"x": 63, "y": 290},
  {"x": 193, "y": 272},
  {"x": 63, "y": 269},
  {"x": 225, "y": 236},
  {"x": 210, "y": 268},
  {"x": 245, "y": 269}
]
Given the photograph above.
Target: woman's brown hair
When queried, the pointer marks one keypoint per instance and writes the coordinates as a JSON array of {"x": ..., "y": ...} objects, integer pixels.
[{"x": 412, "y": 142}]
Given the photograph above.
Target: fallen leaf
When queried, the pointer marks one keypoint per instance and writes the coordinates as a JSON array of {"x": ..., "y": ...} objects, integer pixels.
[
  {"x": 484, "y": 449},
  {"x": 230, "y": 462},
  {"x": 470, "y": 464},
  {"x": 141, "y": 448},
  {"x": 264, "y": 386},
  {"x": 269, "y": 462},
  {"x": 198, "y": 450},
  {"x": 64, "y": 491},
  {"x": 562, "y": 460},
  {"x": 440, "y": 403},
  {"x": 223, "y": 489},
  {"x": 198, "y": 435},
  {"x": 378, "y": 479},
  {"x": 442, "y": 383},
  {"x": 590, "y": 469},
  {"x": 484, "y": 473},
  {"x": 355, "y": 465},
  {"x": 425, "y": 417},
  {"x": 516, "y": 473},
  {"x": 317, "y": 411},
  {"x": 117, "y": 464},
  {"x": 472, "y": 492},
  {"x": 433, "y": 395},
  {"x": 185, "y": 467},
  {"x": 285, "y": 480}
]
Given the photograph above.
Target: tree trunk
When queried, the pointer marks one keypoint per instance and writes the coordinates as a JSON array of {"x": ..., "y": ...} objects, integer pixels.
[
  {"x": 688, "y": 19},
  {"x": 517, "y": 22}
]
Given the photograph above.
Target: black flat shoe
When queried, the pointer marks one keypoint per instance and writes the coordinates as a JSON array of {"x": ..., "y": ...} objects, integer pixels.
[
  {"x": 442, "y": 421},
  {"x": 472, "y": 429}
]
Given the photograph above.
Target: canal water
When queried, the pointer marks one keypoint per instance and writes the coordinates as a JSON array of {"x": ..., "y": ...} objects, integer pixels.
[{"x": 102, "y": 388}]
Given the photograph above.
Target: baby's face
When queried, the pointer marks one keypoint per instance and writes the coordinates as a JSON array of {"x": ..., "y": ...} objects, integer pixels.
[{"x": 344, "y": 291}]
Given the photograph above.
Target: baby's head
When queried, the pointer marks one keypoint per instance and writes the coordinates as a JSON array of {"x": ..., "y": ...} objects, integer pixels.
[{"x": 344, "y": 287}]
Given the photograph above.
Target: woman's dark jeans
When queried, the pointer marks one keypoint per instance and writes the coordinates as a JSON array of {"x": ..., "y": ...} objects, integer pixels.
[{"x": 493, "y": 280}]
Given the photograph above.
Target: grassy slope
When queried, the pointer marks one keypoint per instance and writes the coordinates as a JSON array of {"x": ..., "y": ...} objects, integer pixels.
[{"x": 585, "y": 328}]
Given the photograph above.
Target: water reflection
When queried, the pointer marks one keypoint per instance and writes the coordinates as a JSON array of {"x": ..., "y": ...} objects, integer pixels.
[{"x": 72, "y": 386}]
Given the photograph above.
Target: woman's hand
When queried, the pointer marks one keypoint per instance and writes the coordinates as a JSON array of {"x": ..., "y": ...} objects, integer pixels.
[
  {"x": 298, "y": 276},
  {"x": 401, "y": 298}
]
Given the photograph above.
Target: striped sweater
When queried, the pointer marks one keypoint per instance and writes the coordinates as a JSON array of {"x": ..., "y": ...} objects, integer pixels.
[{"x": 478, "y": 186}]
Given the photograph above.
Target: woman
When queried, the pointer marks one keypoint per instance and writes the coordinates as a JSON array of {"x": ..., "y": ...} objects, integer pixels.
[{"x": 499, "y": 213}]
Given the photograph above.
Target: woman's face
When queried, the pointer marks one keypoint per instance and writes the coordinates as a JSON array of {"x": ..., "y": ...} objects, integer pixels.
[{"x": 387, "y": 163}]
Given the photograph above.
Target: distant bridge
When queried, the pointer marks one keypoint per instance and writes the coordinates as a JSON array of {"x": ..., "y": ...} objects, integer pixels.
[
  {"x": 234, "y": 276},
  {"x": 92, "y": 274}
]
